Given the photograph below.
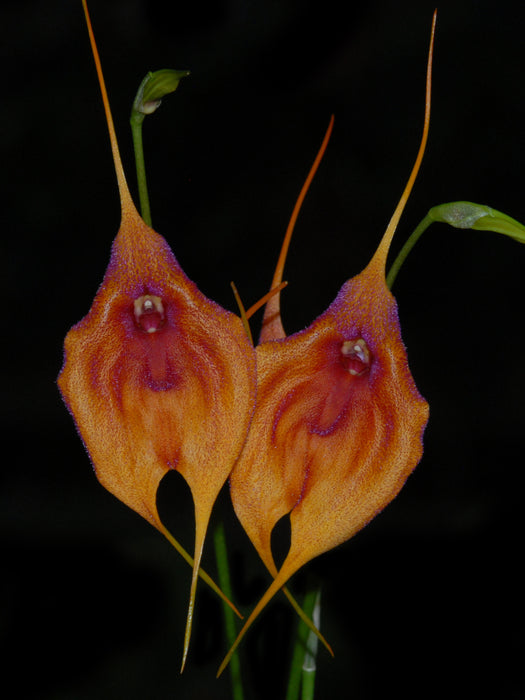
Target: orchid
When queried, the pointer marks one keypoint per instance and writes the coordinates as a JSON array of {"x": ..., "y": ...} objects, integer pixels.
[
  {"x": 322, "y": 426},
  {"x": 157, "y": 376},
  {"x": 338, "y": 422}
]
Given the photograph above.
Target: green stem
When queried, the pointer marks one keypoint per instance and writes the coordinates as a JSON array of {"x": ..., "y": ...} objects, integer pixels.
[
  {"x": 309, "y": 665},
  {"x": 308, "y": 685},
  {"x": 136, "y": 122},
  {"x": 405, "y": 250},
  {"x": 149, "y": 96},
  {"x": 301, "y": 671},
  {"x": 221, "y": 555},
  {"x": 464, "y": 215}
]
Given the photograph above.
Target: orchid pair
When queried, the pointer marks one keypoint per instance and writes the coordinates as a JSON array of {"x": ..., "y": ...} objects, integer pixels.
[{"x": 324, "y": 425}]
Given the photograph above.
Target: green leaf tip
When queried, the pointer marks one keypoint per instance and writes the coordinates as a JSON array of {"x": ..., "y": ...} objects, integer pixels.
[
  {"x": 479, "y": 217},
  {"x": 153, "y": 88}
]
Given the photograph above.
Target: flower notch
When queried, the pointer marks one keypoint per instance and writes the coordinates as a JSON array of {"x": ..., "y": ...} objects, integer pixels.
[
  {"x": 339, "y": 421},
  {"x": 157, "y": 376}
]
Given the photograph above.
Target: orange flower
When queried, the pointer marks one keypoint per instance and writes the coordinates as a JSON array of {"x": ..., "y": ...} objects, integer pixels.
[
  {"x": 338, "y": 423},
  {"x": 156, "y": 376}
]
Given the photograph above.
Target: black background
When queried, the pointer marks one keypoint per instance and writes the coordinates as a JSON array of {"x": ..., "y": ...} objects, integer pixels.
[{"x": 426, "y": 602}]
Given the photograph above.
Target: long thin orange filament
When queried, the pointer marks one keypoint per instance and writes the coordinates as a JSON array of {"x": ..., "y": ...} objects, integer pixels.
[
  {"x": 381, "y": 253},
  {"x": 246, "y": 315},
  {"x": 272, "y": 325},
  {"x": 125, "y": 197},
  {"x": 204, "y": 576},
  {"x": 201, "y": 526},
  {"x": 263, "y": 300}
]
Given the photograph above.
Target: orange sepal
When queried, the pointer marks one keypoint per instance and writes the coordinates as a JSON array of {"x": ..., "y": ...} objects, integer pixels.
[
  {"x": 157, "y": 376},
  {"x": 339, "y": 421},
  {"x": 337, "y": 428}
]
